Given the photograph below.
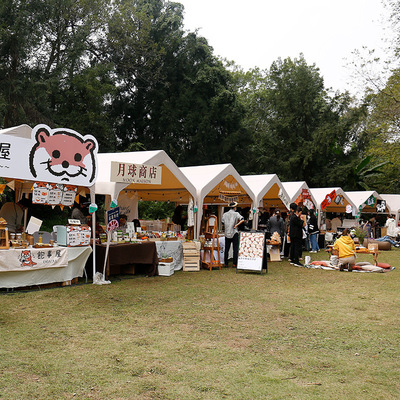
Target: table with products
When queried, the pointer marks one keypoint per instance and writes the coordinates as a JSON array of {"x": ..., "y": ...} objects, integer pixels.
[
  {"x": 35, "y": 267},
  {"x": 128, "y": 258}
]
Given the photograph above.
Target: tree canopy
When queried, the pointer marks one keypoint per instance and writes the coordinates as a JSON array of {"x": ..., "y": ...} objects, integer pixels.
[{"x": 128, "y": 73}]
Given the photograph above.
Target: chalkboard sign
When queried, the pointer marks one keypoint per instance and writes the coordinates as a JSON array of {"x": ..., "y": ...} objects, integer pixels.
[{"x": 251, "y": 251}]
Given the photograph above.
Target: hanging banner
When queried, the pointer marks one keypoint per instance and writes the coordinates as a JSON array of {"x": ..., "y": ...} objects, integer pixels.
[
  {"x": 328, "y": 199},
  {"x": 380, "y": 206},
  {"x": 135, "y": 173},
  {"x": 371, "y": 201},
  {"x": 49, "y": 155},
  {"x": 228, "y": 199},
  {"x": 284, "y": 199},
  {"x": 53, "y": 194}
]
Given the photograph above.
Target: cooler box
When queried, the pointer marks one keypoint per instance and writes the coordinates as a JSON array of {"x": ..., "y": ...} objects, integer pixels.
[{"x": 73, "y": 235}]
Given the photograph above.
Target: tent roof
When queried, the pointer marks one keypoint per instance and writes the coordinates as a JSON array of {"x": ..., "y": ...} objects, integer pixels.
[
  {"x": 360, "y": 197},
  {"x": 392, "y": 202},
  {"x": 23, "y": 131},
  {"x": 320, "y": 193},
  {"x": 174, "y": 184},
  {"x": 294, "y": 190},
  {"x": 267, "y": 187},
  {"x": 209, "y": 180}
]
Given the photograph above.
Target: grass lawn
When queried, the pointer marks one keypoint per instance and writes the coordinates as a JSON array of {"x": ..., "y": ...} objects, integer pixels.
[{"x": 293, "y": 333}]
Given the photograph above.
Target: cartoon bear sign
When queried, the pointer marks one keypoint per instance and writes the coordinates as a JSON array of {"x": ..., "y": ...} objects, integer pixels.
[{"x": 63, "y": 156}]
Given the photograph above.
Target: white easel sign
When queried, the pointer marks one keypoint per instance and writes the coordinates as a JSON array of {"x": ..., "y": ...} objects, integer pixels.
[{"x": 251, "y": 251}]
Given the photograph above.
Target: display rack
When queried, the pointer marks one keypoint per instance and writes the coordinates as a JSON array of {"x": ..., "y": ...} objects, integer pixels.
[
  {"x": 211, "y": 245},
  {"x": 4, "y": 239}
]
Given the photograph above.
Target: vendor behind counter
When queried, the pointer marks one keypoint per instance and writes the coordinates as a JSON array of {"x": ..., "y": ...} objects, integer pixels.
[{"x": 13, "y": 213}]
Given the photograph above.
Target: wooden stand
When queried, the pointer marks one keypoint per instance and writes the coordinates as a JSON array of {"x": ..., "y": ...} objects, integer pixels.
[
  {"x": 211, "y": 234},
  {"x": 4, "y": 239}
]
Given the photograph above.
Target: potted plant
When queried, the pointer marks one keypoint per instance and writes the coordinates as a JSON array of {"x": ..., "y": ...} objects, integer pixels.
[{"x": 360, "y": 235}]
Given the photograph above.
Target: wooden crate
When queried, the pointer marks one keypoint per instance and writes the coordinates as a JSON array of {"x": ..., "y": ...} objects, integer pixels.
[
  {"x": 191, "y": 265},
  {"x": 191, "y": 256}
]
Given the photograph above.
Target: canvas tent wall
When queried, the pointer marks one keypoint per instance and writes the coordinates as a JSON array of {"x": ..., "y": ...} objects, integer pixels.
[
  {"x": 214, "y": 184},
  {"x": 269, "y": 192},
  {"x": 175, "y": 187}
]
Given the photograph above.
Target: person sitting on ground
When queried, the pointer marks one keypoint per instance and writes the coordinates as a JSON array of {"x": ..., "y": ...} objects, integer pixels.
[{"x": 345, "y": 248}]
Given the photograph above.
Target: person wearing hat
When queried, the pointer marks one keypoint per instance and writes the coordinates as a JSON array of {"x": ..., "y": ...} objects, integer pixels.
[{"x": 231, "y": 220}]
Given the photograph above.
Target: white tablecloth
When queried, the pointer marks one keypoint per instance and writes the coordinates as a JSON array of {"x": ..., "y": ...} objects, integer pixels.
[
  {"x": 77, "y": 257},
  {"x": 171, "y": 248}
]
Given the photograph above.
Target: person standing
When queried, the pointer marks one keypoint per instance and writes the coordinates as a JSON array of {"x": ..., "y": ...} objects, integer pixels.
[
  {"x": 391, "y": 227},
  {"x": 231, "y": 220},
  {"x": 296, "y": 235},
  {"x": 313, "y": 231},
  {"x": 276, "y": 224}
]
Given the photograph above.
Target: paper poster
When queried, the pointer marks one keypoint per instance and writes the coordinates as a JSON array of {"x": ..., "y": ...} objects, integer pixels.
[
  {"x": 53, "y": 194},
  {"x": 69, "y": 194},
  {"x": 251, "y": 250},
  {"x": 40, "y": 193}
]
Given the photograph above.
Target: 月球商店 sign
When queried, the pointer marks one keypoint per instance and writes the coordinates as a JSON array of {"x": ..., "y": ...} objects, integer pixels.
[{"x": 135, "y": 173}]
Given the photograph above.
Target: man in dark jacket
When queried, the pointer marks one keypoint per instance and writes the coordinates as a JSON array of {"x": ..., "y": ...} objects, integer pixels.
[{"x": 296, "y": 235}]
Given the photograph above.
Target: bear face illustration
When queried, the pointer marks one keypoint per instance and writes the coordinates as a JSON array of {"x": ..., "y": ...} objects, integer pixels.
[{"x": 63, "y": 156}]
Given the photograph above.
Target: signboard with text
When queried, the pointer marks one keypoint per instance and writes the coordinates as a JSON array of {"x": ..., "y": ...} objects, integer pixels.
[
  {"x": 50, "y": 155},
  {"x": 135, "y": 173}
]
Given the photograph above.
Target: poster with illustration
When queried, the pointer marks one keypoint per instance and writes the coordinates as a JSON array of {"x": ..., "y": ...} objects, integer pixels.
[{"x": 251, "y": 251}]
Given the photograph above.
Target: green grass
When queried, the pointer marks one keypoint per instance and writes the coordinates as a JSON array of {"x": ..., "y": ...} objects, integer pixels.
[{"x": 294, "y": 333}]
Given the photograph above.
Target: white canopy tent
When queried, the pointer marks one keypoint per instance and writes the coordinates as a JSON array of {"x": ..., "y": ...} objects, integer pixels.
[
  {"x": 360, "y": 198},
  {"x": 215, "y": 183},
  {"x": 295, "y": 191},
  {"x": 393, "y": 204},
  {"x": 337, "y": 204},
  {"x": 269, "y": 192},
  {"x": 175, "y": 187}
]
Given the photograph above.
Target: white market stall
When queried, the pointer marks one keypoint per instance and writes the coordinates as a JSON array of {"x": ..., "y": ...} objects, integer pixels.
[
  {"x": 217, "y": 184},
  {"x": 332, "y": 200},
  {"x": 173, "y": 186},
  {"x": 57, "y": 162},
  {"x": 392, "y": 204},
  {"x": 299, "y": 192},
  {"x": 269, "y": 192}
]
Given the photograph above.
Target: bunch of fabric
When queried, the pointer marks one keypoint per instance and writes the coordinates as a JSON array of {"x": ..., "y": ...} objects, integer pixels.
[{"x": 359, "y": 267}]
